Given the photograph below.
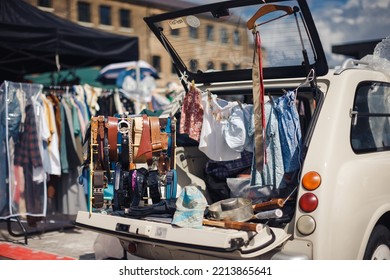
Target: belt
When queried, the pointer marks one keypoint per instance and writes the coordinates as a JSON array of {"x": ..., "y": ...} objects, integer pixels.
[
  {"x": 99, "y": 183},
  {"x": 103, "y": 150},
  {"x": 155, "y": 134},
  {"x": 168, "y": 131},
  {"x": 125, "y": 193},
  {"x": 118, "y": 183},
  {"x": 137, "y": 136},
  {"x": 140, "y": 191},
  {"x": 163, "y": 163},
  {"x": 171, "y": 153},
  {"x": 136, "y": 194},
  {"x": 112, "y": 128},
  {"x": 124, "y": 128},
  {"x": 95, "y": 155},
  {"x": 131, "y": 152},
  {"x": 153, "y": 185},
  {"x": 171, "y": 187},
  {"x": 101, "y": 135},
  {"x": 145, "y": 148},
  {"x": 94, "y": 130}
]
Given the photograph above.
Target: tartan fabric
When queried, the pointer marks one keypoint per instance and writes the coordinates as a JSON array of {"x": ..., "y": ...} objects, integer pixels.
[{"x": 28, "y": 149}]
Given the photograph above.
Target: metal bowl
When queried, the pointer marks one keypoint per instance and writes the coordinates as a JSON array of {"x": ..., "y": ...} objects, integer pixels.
[{"x": 232, "y": 209}]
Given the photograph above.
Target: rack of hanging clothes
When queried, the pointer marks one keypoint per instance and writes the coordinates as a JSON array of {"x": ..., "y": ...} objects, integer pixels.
[
  {"x": 32, "y": 124},
  {"x": 42, "y": 132}
]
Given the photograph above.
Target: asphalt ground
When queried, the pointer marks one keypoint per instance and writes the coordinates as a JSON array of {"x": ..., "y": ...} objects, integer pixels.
[{"x": 60, "y": 237}]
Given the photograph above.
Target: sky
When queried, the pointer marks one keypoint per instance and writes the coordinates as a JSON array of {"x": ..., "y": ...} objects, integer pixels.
[{"x": 345, "y": 21}]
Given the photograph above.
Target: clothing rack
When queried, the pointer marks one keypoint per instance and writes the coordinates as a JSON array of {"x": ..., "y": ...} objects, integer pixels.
[
  {"x": 58, "y": 89},
  {"x": 14, "y": 222}
]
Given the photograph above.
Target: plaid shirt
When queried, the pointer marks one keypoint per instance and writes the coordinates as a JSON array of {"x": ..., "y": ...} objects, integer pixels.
[{"x": 28, "y": 149}]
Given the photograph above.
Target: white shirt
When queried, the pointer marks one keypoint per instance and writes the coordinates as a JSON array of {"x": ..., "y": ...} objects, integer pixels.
[
  {"x": 53, "y": 145},
  {"x": 212, "y": 139}
]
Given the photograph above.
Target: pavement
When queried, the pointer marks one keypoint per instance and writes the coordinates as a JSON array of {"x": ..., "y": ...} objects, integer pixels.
[
  {"x": 60, "y": 237},
  {"x": 56, "y": 235}
]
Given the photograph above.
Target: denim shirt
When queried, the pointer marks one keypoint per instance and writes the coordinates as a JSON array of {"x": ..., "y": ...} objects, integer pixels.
[
  {"x": 290, "y": 130},
  {"x": 271, "y": 177},
  {"x": 283, "y": 143}
]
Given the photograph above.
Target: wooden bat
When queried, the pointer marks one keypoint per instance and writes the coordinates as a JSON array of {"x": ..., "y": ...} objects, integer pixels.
[
  {"x": 234, "y": 225},
  {"x": 269, "y": 205}
]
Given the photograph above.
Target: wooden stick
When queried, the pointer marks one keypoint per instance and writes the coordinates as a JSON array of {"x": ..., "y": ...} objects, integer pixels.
[
  {"x": 234, "y": 225},
  {"x": 269, "y": 205}
]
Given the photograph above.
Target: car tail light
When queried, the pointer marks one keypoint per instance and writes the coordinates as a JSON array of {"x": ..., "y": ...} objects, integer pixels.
[
  {"x": 306, "y": 224},
  {"x": 131, "y": 248},
  {"x": 311, "y": 180},
  {"x": 308, "y": 202}
]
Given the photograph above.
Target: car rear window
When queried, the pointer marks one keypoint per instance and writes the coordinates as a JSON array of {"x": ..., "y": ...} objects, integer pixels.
[{"x": 206, "y": 43}]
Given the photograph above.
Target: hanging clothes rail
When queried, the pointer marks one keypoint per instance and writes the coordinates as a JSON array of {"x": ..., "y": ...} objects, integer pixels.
[{"x": 24, "y": 174}]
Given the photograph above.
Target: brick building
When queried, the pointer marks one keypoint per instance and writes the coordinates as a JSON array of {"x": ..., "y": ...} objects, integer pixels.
[{"x": 125, "y": 17}]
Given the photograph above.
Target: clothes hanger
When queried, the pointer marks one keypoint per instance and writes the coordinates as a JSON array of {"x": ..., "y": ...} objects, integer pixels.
[
  {"x": 266, "y": 9},
  {"x": 309, "y": 78}
]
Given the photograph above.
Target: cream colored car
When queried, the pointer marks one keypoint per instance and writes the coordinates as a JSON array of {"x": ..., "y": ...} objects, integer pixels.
[{"x": 337, "y": 204}]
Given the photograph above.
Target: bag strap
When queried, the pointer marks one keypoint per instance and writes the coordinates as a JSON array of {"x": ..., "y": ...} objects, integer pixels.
[{"x": 258, "y": 103}]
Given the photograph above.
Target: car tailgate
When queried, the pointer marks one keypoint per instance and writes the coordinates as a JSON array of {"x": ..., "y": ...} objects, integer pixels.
[{"x": 213, "y": 241}]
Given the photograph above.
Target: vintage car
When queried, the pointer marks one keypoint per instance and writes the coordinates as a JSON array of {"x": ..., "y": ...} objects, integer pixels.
[{"x": 329, "y": 200}]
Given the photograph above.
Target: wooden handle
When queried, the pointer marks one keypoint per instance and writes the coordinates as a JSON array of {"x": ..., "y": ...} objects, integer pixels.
[
  {"x": 234, "y": 225},
  {"x": 269, "y": 205},
  {"x": 266, "y": 10}
]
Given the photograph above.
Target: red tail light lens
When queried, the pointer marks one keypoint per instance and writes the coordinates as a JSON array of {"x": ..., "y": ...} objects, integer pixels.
[
  {"x": 308, "y": 202},
  {"x": 131, "y": 248}
]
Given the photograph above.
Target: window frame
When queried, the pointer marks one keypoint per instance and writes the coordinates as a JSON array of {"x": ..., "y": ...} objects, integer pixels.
[
  {"x": 122, "y": 12},
  {"x": 87, "y": 6},
  {"x": 156, "y": 62},
  {"x": 102, "y": 15},
  {"x": 45, "y": 4},
  {"x": 224, "y": 36},
  {"x": 210, "y": 33},
  {"x": 193, "y": 33},
  {"x": 356, "y": 116}
]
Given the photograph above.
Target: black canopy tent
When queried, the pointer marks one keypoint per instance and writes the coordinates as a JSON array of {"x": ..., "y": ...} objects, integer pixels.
[{"x": 34, "y": 41}]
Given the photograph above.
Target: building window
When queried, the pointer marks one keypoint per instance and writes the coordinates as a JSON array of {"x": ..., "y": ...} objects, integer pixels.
[
  {"x": 45, "y": 3},
  {"x": 224, "y": 36},
  {"x": 156, "y": 62},
  {"x": 173, "y": 69},
  {"x": 105, "y": 15},
  {"x": 84, "y": 11},
  {"x": 370, "y": 129},
  {"x": 125, "y": 18},
  {"x": 237, "y": 66},
  {"x": 194, "y": 33},
  {"x": 210, "y": 65},
  {"x": 193, "y": 65},
  {"x": 236, "y": 38},
  {"x": 210, "y": 33},
  {"x": 175, "y": 32},
  {"x": 224, "y": 66}
]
